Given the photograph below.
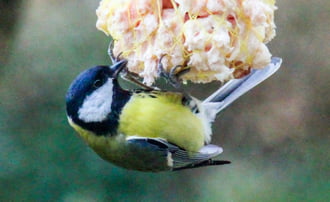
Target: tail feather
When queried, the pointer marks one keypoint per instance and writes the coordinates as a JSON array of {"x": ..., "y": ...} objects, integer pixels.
[
  {"x": 237, "y": 87},
  {"x": 209, "y": 162}
]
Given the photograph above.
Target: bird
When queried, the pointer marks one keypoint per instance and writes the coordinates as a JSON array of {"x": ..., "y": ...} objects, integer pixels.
[{"x": 146, "y": 128}]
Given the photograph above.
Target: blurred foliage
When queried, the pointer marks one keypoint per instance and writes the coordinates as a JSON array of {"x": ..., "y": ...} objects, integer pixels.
[
  {"x": 277, "y": 136},
  {"x": 8, "y": 19}
]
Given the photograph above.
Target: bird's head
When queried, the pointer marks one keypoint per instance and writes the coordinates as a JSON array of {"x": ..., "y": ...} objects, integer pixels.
[{"x": 91, "y": 101}]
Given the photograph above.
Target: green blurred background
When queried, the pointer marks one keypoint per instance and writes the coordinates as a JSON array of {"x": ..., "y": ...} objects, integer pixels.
[{"x": 277, "y": 136}]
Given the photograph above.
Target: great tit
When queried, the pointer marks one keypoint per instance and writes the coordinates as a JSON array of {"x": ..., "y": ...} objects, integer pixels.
[{"x": 148, "y": 129}]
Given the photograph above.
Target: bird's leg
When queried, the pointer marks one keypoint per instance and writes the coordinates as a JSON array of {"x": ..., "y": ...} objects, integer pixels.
[
  {"x": 173, "y": 77},
  {"x": 175, "y": 74}
]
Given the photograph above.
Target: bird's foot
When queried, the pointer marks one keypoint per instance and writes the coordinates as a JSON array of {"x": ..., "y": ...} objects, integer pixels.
[{"x": 174, "y": 75}]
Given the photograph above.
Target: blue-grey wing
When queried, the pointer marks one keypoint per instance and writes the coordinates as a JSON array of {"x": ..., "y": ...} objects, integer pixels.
[{"x": 160, "y": 154}]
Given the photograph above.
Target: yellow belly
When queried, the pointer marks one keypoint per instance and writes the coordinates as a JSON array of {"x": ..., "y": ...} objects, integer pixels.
[{"x": 162, "y": 116}]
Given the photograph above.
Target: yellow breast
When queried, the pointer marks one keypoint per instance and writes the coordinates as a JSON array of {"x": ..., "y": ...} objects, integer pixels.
[{"x": 162, "y": 115}]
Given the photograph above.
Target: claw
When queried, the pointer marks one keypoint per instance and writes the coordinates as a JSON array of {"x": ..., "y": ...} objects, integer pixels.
[
  {"x": 173, "y": 77},
  {"x": 177, "y": 72},
  {"x": 112, "y": 56},
  {"x": 161, "y": 70},
  {"x": 174, "y": 70},
  {"x": 110, "y": 52}
]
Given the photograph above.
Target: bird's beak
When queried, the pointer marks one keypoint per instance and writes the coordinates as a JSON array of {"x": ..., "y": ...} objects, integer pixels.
[{"x": 118, "y": 67}]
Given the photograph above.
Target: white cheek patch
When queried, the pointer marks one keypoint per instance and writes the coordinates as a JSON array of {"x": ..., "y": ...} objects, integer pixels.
[{"x": 97, "y": 105}]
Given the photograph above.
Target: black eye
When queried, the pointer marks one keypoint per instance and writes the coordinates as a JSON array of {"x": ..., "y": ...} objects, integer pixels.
[{"x": 97, "y": 83}]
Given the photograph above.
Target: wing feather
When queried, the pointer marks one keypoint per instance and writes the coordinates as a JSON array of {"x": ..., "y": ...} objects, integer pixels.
[{"x": 180, "y": 158}]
